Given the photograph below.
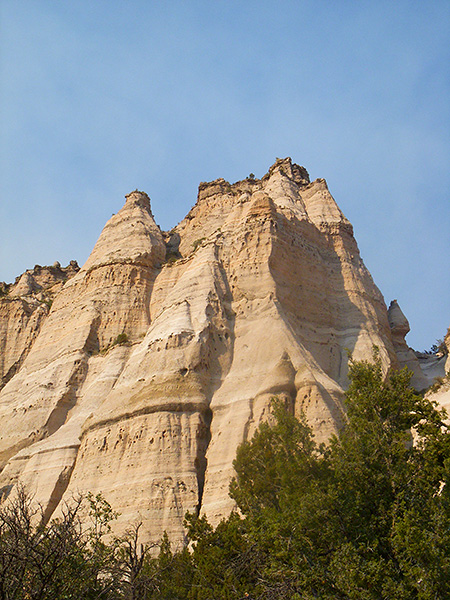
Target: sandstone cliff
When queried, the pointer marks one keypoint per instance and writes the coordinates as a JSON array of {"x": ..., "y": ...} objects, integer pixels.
[
  {"x": 162, "y": 353},
  {"x": 24, "y": 306}
]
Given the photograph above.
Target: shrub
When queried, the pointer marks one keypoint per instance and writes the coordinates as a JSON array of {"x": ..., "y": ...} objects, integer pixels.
[
  {"x": 198, "y": 243},
  {"x": 122, "y": 338},
  {"x": 172, "y": 257},
  {"x": 440, "y": 381}
]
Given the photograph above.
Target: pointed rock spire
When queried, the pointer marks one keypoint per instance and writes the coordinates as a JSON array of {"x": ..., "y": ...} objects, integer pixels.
[
  {"x": 286, "y": 167},
  {"x": 399, "y": 328},
  {"x": 130, "y": 236},
  {"x": 398, "y": 323}
]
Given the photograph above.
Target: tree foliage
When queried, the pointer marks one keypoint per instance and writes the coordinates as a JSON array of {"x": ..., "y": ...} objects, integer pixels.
[
  {"x": 366, "y": 517},
  {"x": 64, "y": 560}
]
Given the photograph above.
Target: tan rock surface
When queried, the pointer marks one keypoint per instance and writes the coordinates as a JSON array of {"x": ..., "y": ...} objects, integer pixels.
[
  {"x": 263, "y": 293},
  {"x": 440, "y": 392},
  {"x": 435, "y": 366},
  {"x": 442, "y": 396},
  {"x": 24, "y": 306},
  {"x": 72, "y": 365}
]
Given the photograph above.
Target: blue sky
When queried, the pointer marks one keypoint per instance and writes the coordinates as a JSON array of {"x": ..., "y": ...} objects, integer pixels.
[{"x": 99, "y": 98}]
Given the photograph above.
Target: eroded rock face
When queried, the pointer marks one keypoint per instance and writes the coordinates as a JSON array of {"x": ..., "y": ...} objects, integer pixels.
[
  {"x": 161, "y": 355},
  {"x": 74, "y": 363},
  {"x": 24, "y": 306}
]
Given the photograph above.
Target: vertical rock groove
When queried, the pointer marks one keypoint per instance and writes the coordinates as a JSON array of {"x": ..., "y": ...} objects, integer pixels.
[{"x": 201, "y": 462}]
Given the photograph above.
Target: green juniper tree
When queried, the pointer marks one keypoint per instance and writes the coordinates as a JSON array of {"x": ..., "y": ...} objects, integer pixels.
[{"x": 366, "y": 517}]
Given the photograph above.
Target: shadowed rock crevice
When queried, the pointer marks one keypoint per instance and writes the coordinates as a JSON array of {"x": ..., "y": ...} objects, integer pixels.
[
  {"x": 201, "y": 462},
  {"x": 57, "y": 493},
  {"x": 14, "y": 368},
  {"x": 68, "y": 399}
]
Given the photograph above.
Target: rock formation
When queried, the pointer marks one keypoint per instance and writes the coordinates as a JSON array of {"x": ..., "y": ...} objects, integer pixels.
[
  {"x": 24, "y": 306},
  {"x": 162, "y": 353},
  {"x": 406, "y": 356}
]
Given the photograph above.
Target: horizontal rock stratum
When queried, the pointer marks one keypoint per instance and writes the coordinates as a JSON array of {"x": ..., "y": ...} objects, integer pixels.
[{"x": 139, "y": 374}]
